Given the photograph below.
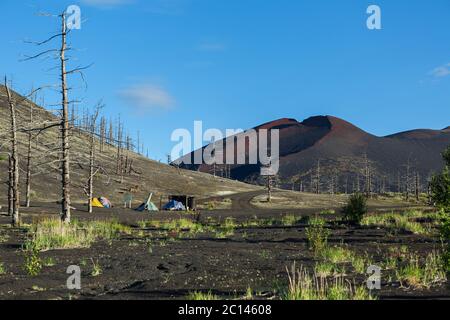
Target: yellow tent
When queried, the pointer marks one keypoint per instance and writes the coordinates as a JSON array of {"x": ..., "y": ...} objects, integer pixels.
[{"x": 96, "y": 203}]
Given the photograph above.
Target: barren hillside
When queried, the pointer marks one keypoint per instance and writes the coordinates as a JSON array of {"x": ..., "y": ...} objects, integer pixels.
[{"x": 147, "y": 175}]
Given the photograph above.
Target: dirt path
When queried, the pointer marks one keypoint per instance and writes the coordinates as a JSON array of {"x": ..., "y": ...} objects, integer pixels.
[{"x": 242, "y": 201}]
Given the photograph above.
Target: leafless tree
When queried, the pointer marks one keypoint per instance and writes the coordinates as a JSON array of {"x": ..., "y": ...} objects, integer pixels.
[
  {"x": 64, "y": 123},
  {"x": 14, "y": 159},
  {"x": 28, "y": 170},
  {"x": 318, "y": 177},
  {"x": 417, "y": 185},
  {"x": 368, "y": 176},
  {"x": 92, "y": 171}
]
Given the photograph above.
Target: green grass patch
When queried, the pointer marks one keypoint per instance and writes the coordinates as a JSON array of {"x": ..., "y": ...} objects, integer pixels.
[
  {"x": 422, "y": 274},
  {"x": 201, "y": 296},
  {"x": 50, "y": 234},
  {"x": 303, "y": 286},
  {"x": 2, "y": 269},
  {"x": 400, "y": 221},
  {"x": 288, "y": 220},
  {"x": 337, "y": 255}
]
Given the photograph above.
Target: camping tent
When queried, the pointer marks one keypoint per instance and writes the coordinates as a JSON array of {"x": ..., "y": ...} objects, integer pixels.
[
  {"x": 148, "y": 205},
  {"x": 101, "y": 202},
  {"x": 174, "y": 205},
  {"x": 105, "y": 202}
]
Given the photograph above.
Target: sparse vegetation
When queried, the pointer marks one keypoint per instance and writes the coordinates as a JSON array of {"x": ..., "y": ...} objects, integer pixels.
[
  {"x": 96, "y": 269},
  {"x": 337, "y": 254},
  {"x": 288, "y": 220},
  {"x": 327, "y": 212},
  {"x": 326, "y": 269},
  {"x": 201, "y": 296},
  {"x": 445, "y": 238},
  {"x": 49, "y": 234},
  {"x": 303, "y": 286},
  {"x": 33, "y": 263},
  {"x": 419, "y": 274},
  {"x": 399, "y": 221},
  {"x": 2, "y": 269},
  {"x": 317, "y": 235}
]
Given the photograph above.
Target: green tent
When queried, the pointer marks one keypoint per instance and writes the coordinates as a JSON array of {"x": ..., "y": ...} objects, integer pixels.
[{"x": 148, "y": 205}]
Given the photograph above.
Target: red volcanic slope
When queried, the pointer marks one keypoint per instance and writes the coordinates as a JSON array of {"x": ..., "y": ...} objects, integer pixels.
[{"x": 342, "y": 147}]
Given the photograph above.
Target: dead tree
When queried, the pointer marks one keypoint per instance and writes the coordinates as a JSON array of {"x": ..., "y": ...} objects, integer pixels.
[
  {"x": 368, "y": 176},
  {"x": 92, "y": 159},
  {"x": 102, "y": 133},
  {"x": 14, "y": 159},
  {"x": 318, "y": 177},
  {"x": 111, "y": 132},
  {"x": 28, "y": 171},
  {"x": 417, "y": 187},
  {"x": 65, "y": 127},
  {"x": 138, "y": 142},
  {"x": 64, "y": 120},
  {"x": 407, "y": 180},
  {"x": 119, "y": 147},
  {"x": 10, "y": 187}
]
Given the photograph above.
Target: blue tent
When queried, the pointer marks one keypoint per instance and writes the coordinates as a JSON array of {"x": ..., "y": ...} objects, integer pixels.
[{"x": 173, "y": 205}]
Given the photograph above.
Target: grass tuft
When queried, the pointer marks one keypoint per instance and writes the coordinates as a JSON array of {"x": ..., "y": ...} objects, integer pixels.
[
  {"x": 201, "y": 296},
  {"x": 303, "y": 286},
  {"x": 50, "y": 234}
]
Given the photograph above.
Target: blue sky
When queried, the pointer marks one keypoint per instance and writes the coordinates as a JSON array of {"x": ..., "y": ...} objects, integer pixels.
[{"x": 161, "y": 64}]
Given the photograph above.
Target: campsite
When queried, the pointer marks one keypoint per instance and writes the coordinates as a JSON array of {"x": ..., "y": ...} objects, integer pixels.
[
  {"x": 218, "y": 152},
  {"x": 239, "y": 253}
]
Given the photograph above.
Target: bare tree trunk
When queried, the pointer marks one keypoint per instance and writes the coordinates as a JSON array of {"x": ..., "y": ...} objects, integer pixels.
[
  {"x": 318, "y": 177},
  {"x": 10, "y": 186},
  {"x": 92, "y": 161},
  {"x": 417, "y": 186},
  {"x": 407, "y": 180},
  {"x": 14, "y": 159},
  {"x": 65, "y": 165},
  {"x": 368, "y": 177},
  {"x": 119, "y": 145},
  {"x": 111, "y": 132},
  {"x": 28, "y": 180},
  {"x": 102, "y": 133},
  {"x": 138, "y": 142}
]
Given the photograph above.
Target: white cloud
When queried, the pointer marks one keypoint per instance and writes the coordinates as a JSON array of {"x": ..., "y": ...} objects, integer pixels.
[
  {"x": 441, "y": 71},
  {"x": 106, "y": 3},
  {"x": 147, "y": 97}
]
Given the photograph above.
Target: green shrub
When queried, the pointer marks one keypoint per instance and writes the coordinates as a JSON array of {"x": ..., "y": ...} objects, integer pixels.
[
  {"x": 355, "y": 209},
  {"x": 445, "y": 237},
  {"x": 440, "y": 184},
  {"x": 2, "y": 269},
  {"x": 33, "y": 264},
  {"x": 317, "y": 235},
  {"x": 288, "y": 220}
]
